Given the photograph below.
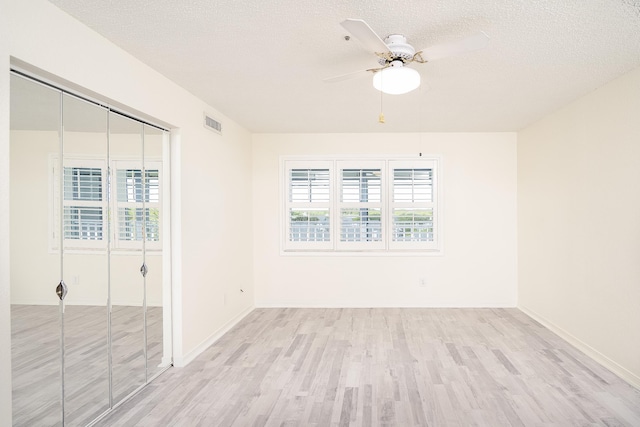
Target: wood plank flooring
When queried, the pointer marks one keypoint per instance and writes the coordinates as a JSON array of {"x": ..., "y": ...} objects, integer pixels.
[
  {"x": 386, "y": 367},
  {"x": 35, "y": 351}
]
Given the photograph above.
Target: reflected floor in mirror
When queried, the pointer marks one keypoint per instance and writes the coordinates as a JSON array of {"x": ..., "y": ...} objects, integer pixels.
[
  {"x": 36, "y": 360},
  {"x": 385, "y": 367}
]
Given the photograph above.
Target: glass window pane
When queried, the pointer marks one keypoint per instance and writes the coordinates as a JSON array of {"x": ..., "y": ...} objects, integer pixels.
[
  {"x": 153, "y": 224},
  {"x": 309, "y": 225},
  {"x": 130, "y": 224},
  {"x": 152, "y": 190},
  {"x": 412, "y": 225},
  {"x": 360, "y": 185},
  {"x": 130, "y": 185},
  {"x": 83, "y": 223},
  {"x": 360, "y": 225},
  {"x": 309, "y": 185},
  {"x": 82, "y": 184},
  {"x": 412, "y": 185}
]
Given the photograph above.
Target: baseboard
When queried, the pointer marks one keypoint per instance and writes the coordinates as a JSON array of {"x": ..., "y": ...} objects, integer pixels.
[
  {"x": 182, "y": 361},
  {"x": 377, "y": 304},
  {"x": 95, "y": 303},
  {"x": 49, "y": 301},
  {"x": 611, "y": 365},
  {"x": 165, "y": 362}
]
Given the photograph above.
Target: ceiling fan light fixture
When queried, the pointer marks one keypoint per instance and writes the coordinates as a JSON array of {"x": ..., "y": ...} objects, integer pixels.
[{"x": 396, "y": 80}]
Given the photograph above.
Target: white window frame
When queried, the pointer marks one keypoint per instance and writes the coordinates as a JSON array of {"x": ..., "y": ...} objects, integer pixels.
[
  {"x": 109, "y": 207},
  {"x": 116, "y": 205},
  {"x": 359, "y": 164},
  {"x": 393, "y": 204},
  {"x": 58, "y": 203},
  {"x": 363, "y": 248},
  {"x": 289, "y": 205}
]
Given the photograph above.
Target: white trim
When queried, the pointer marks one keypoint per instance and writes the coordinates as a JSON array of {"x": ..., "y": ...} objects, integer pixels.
[
  {"x": 167, "y": 317},
  {"x": 603, "y": 360},
  {"x": 93, "y": 302},
  {"x": 367, "y": 253},
  {"x": 183, "y": 361},
  {"x": 113, "y": 251},
  {"x": 356, "y": 157},
  {"x": 52, "y": 301},
  {"x": 414, "y": 303},
  {"x": 176, "y": 244}
]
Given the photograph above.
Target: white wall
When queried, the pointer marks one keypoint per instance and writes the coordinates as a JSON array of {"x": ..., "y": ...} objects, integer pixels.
[
  {"x": 579, "y": 223},
  {"x": 5, "y": 322},
  {"x": 479, "y": 264},
  {"x": 212, "y": 260}
]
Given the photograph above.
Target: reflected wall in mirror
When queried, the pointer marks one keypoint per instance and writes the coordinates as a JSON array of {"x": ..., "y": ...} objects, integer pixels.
[{"x": 35, "y": 269}]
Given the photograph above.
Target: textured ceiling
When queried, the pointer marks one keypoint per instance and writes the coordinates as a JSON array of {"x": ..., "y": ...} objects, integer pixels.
[{"x": 261, "y": 62}]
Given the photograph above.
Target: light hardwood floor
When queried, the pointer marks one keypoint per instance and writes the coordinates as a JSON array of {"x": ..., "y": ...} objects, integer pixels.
[
  {"x": 386, "y": 367},
  {"x": 35, "y": 361}
]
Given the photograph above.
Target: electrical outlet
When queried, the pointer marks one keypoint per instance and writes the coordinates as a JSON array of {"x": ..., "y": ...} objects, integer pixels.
[{"x": 422, "y": 282}]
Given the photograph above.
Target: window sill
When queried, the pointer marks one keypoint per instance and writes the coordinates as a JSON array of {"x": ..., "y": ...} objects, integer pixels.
[
  {"x": 364, "y": 253},
  {"x": 115, "y": 252}
]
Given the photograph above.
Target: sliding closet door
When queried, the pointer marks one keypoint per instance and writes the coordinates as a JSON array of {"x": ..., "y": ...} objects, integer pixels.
[
  {"x": 84, "y": 213},
  {"x": 157, "y": 295},
  {"x": 90, "y": 293},
  {"x": 35, "y": 254},
  {"x": 126, "y": 139}
]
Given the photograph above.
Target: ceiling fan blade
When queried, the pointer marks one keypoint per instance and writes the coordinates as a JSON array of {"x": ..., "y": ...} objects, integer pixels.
[
  {"x": 348, "y": 76},
  {"x": 468, "y": 44},
  {"x": 363, "y": 32}
]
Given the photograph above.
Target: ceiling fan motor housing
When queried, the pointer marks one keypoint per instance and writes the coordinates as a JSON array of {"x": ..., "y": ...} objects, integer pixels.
[{"x": 399, "y": 48}]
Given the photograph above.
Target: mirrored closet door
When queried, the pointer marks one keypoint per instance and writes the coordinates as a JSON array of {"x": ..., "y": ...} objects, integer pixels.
[
  {"x": 80, "y": 206},
  {"x": 89, "y": 237},
  {"x": 36, "y": 267}
]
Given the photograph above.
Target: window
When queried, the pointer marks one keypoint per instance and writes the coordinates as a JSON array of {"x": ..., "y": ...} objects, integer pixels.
[
  {"x": 132, "y": 192},
  {"x": 360, "y": 205},
  {"x": 84, "y": 204},
  {"x": 134, "y": 202},
  {"x": 308, "y": 206},
  {"x": 412, "y": 205},
  {"x": 378, "y": 205},
  {"x": 83, "y": 210}
]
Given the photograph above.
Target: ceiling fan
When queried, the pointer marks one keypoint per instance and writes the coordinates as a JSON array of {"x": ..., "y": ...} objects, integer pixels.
[{"x": 394, "y": 54}]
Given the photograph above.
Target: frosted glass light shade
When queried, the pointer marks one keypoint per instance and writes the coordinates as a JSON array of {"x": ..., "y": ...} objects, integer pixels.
[{"x": 396, "y": 80}]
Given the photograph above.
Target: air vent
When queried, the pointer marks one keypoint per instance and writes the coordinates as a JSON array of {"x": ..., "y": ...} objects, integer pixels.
[{"x": 212, "y": 124}]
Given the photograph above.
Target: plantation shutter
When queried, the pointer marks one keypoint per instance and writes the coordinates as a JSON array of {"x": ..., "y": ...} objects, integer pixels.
[
  {"x": 137, "y": 205},
  {"x": 84, "y": 204},
  {"x": 308, "y": 205},
  {"x": 412, "y": 206},
  {"x": 360, "y": 205}
]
